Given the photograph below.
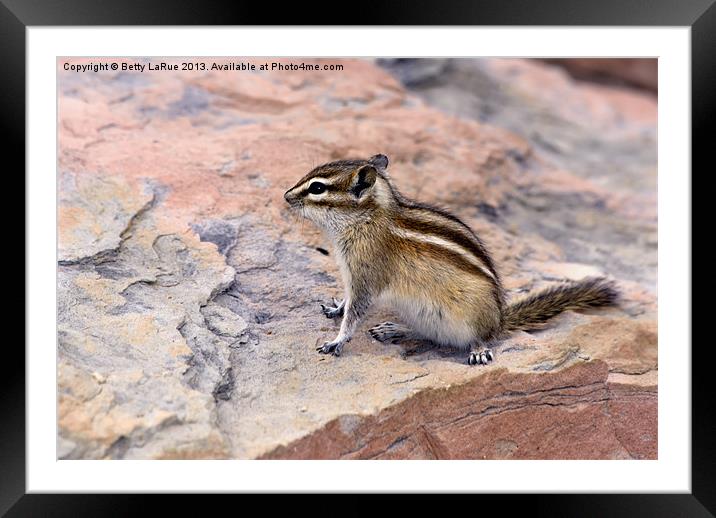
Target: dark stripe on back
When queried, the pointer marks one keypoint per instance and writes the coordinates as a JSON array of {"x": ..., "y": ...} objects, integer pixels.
[
  {"x": 442, "y": 254},
  {"x": 473, "y": 245},
  {"x": 412, "y": 204}
]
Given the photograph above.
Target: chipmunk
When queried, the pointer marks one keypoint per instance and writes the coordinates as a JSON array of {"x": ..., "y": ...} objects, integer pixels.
[{"x": 425, "y": 263}]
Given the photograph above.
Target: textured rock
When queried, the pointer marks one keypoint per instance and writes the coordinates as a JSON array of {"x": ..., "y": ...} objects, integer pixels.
[
  {"x": 641, "y": 72},
  {"x": 188, "y": 296}
]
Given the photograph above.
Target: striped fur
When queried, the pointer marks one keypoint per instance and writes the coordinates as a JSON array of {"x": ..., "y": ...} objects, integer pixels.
[{"x": 424, "y": 262}]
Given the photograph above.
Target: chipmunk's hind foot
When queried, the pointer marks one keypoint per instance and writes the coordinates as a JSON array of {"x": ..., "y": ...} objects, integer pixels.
[
  {"x": 391, "y": 332},
  {"x": 481, "y": 356},
  {"x": 334, "y": 311}
]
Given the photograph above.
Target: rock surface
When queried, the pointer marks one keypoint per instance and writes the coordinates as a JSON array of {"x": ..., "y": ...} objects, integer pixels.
[
  {"x": 639, "y": 72},
  {"x": 188, "y": 296}
]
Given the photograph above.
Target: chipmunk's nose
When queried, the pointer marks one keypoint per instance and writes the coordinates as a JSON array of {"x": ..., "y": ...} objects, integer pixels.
[{"x": 288, "y": 196}]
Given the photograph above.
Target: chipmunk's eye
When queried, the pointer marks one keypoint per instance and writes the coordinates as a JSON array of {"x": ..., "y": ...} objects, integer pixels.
[{"x": 317, "y": 188}]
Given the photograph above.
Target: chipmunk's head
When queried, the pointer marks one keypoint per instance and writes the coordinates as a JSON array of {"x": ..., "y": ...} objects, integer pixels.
[{"x": 342, "y": 193}]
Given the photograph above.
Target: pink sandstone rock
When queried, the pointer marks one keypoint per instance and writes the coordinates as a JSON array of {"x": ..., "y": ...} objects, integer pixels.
[
  {"x": 640, "y": 72},
  {"x": 188, "y": 295}
]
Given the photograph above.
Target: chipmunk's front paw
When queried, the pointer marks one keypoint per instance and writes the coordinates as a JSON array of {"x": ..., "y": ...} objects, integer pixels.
[
  {"x": 481, "y": 357},
  {"x": 334, "y": 311},
  {"x": 333, "y": 348}
]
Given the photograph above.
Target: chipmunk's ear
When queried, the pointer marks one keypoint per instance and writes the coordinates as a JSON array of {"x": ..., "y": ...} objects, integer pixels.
[
  {"x": 363, "y": 179},
  {"x": 380, "y": 161}
]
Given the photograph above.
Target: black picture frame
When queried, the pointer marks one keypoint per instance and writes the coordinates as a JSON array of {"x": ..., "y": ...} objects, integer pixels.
[{"x": 699, "y": 15}]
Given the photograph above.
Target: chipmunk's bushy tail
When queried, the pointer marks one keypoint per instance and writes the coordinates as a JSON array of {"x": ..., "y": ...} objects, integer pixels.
[{"x": 535, "y": 309}]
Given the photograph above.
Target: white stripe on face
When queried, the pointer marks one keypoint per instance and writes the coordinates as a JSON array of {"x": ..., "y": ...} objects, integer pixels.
[
  {"x": 303, "y": 189},
  {"x": 449, "y": 245}
]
